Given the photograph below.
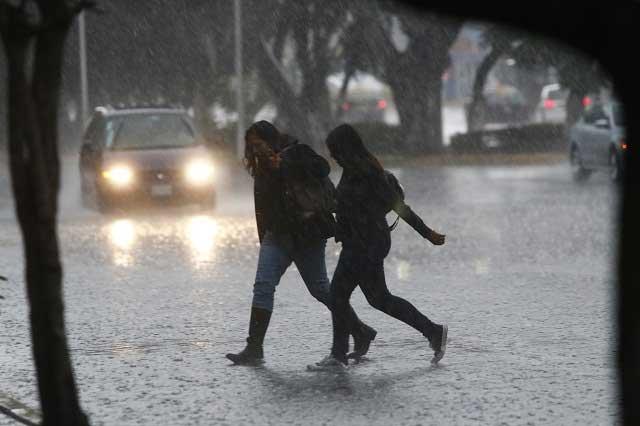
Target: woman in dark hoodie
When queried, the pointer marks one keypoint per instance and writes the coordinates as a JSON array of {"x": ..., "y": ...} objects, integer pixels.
[
  {"x": 274, "y": 160},
  {"x": 366, "y": 193}
]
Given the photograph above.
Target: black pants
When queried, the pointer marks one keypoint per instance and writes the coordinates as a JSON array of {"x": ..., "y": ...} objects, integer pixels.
[{"x": 355, "y": 269}]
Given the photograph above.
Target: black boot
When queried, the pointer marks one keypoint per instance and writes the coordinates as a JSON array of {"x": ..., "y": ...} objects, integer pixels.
[
  {"x": 253, "y": 354},
  {"x": 363, "y": 335}
]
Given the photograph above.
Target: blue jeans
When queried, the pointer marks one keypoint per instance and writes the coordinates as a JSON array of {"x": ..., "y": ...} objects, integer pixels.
[{"x": 274, "y": 260}]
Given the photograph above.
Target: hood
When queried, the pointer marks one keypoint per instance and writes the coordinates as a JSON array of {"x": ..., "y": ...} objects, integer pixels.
[{"x": 287, "y": 141}]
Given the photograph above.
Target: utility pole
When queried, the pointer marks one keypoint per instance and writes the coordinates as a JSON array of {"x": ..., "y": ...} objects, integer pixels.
[
  {"x": 237, "y": 8},
  {"x": 84, "y": 85}
]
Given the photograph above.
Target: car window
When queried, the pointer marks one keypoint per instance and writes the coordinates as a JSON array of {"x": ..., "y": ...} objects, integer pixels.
[
  {"x": 594, "y": 114},
  {"x": 110, "y": 131},
  {"x": 147, "y": 131},
  {"x": 92, "y": 134}
]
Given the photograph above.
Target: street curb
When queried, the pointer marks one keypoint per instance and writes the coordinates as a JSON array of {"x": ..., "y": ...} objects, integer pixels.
[
  {"x": 19, "y": 411},
  {"x": 487, "y": 159}
]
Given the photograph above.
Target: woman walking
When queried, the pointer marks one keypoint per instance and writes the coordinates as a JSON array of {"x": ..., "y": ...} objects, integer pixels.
[
  {"x": 366, "y": 193},
  {"x": 275, "y": 160}
]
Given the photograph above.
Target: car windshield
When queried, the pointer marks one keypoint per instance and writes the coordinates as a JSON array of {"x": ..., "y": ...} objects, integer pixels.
[
  {"x": 148, "y": 131},
  {"x": 618, "y": 115}
]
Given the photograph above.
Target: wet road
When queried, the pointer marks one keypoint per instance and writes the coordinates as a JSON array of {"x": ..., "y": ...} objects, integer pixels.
[{"x": 155, "y": 300}]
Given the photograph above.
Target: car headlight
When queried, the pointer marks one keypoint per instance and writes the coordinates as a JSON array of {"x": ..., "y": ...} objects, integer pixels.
[
  {"x": 199, "y": 172},
  {"x": 119, "y": 175}
]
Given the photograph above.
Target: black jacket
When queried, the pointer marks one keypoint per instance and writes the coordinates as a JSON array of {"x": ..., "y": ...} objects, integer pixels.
[
  {"x": 273, "y": 212},
  {"x": 363, "y": 203}
]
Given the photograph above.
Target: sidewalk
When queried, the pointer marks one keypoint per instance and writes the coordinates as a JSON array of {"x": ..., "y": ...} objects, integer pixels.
[{"x": 498, "y": 159}]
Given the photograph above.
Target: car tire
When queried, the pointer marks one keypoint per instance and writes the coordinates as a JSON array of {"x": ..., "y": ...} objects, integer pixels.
[
  {"x": 578, "y": 172},
  {"x": 615, "y": 173}
]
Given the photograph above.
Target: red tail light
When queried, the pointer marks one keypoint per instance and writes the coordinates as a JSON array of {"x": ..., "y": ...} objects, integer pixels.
[
  {"x": 586, "y": 101},
  {"x": 623, "y": 144},
  {"x": 549, "y": 104},
  {"x": 346, "y": 106},
  {"x": 382, "y": 104}
]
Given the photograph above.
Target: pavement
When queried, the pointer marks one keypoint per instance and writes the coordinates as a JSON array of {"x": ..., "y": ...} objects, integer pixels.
[{"x": 155, "y": 299}]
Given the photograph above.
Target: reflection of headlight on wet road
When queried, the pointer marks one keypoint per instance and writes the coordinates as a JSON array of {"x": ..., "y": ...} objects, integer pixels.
[
  {"x": 201, "y": 231},
  {"x": 199, "y": 172},
  {"x": 119, "y": 176},
  {"x": 122, "y": 234}
]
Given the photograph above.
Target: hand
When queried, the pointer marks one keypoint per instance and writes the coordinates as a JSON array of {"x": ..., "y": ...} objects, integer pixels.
[
  {"x": 275, "y": 160},
  {"x": 435, "y": 238},
  {"x": 270, "y": 159}
]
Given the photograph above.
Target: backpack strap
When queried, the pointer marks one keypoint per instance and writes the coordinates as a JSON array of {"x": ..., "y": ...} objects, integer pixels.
[
  {"x": 393, "y": 182},
  {"x": 394, "y": 224}
]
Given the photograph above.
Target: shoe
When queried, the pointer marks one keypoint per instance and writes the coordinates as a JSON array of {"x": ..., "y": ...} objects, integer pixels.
[
  {"x": 250, "y": 355},
  {"x": 362, "y": 341},
  {"x": 253, "y": 353},
  {"x": 328, "y": 363},
  {"x": 439, "y": 344}
]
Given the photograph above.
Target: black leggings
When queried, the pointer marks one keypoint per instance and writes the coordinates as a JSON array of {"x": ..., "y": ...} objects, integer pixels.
[{"x": 356, "y": 269}]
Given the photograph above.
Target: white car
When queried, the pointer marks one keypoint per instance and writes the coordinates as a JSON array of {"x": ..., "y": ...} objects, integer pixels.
[
  {"x": 552, "y": 107},
  {"x": 597, "y": 141}
]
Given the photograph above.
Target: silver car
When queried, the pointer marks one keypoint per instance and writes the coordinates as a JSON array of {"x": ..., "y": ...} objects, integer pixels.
[
  {"x": 144, "y": 155},
  {"x": 598, "y": 142},
  {"x": 552, "y": 107}
]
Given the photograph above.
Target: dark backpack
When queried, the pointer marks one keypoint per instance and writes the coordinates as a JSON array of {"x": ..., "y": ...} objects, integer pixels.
[
  {"x": 311, "y": 197},
  {"x": 395, "y": 185},
  {"x": 308, "y": 197}
]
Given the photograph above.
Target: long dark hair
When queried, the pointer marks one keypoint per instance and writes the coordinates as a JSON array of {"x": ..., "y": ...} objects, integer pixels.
[
  {"x": 347, "y": 147},
  {"x": 265, "y": 131}
]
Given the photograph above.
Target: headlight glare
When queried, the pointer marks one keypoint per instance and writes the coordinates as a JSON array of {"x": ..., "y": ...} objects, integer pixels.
[
  {"x": 118, "y": 175},
  {"x": 199, "y": 172}
]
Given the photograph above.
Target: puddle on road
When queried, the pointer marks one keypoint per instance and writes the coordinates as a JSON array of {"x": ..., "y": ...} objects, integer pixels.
[
  {"x": 200, "y": 236},
  {"x": 126, "y": 348}
]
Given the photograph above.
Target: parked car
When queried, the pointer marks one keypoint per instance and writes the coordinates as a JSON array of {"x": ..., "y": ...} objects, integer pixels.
[
  {"x": 501, "y": 108},
  {"x": 552, "y": 107},
  {"x": 137, "y": 155},
  {"x": 597, "y": 141}
]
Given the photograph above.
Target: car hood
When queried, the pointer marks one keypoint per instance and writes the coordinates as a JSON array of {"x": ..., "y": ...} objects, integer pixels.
[{"x": 155, "y": 159}]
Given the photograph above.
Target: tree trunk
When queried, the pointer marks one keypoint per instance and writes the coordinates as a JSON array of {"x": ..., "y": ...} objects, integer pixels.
[
  {"x": 418, "y": 98},
  {"x": 474, "y": 111},
  {"x": 574, "y": 107},
  {"x": 415, "y": 77},
  {"x": 530, "y": 85},
  {"x": 35, "y": 173},
  {"x": 423, "y": 114},
  {"x": 289, "y": 113}
]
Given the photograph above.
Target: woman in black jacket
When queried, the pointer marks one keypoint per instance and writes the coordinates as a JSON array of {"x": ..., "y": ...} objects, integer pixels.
[
  {"x": 365, "y": 195},
  {"x": 274, "y": 160}
]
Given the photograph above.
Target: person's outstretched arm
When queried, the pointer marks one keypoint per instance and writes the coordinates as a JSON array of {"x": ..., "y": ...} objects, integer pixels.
[
  {"x": 409, "y": 216},
  {"x": 397, "y": 204}
]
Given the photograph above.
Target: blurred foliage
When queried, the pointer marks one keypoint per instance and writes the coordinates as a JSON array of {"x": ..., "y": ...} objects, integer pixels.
[
  {"x": 182, "y": 53},
  {"x": 533, "y": 57}
]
